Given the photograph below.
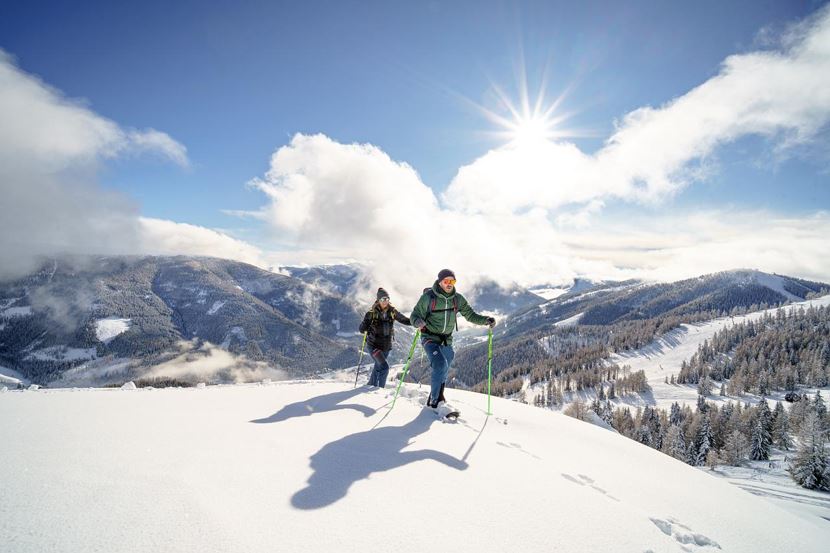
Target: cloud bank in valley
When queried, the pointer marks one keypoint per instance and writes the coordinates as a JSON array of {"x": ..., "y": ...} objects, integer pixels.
[{"x": 527, "y": 212}]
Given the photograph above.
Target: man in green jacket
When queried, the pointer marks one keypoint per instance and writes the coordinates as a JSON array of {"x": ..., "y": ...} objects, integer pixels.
[{"x": 435, "y": 316}]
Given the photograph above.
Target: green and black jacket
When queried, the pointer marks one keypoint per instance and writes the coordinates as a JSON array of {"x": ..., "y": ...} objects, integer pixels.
[{"x": 438, "y": 310}]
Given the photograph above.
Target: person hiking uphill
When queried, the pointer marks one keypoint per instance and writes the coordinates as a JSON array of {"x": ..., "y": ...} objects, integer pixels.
[
  {"x": 435, "y": 315},
  {"x": 378, "y": 324}
]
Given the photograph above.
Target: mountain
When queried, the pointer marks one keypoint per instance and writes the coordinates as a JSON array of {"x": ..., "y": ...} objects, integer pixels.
[
  {"x": 96, "y": 311},
  {"x": 489, "y": 296},
  {"x": 317, "y": 466},
  {"x": 338, "y": 279},
  {"x": 588, "y": 324}
]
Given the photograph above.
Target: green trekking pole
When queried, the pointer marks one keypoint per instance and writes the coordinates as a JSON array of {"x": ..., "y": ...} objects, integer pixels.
[
  {"x": 359, "y": 360},
  {"x": 405, "y": 367},
  {"x": 489, "y": 366}
]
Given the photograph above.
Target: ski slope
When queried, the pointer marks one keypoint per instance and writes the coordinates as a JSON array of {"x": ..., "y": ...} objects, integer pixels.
[{"x": 317, "y": 466}]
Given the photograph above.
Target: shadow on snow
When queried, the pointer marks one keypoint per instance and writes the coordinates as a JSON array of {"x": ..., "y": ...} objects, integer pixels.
[
  {"x": 319, "y": 404},
  {"x": 343, "y": 462}
]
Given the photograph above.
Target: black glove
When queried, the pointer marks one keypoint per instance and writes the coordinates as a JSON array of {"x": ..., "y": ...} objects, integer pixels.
[{"x": 491, "y": 322}]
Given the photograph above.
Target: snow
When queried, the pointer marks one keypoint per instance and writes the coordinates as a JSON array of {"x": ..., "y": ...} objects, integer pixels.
[
  {"x": 549, "y": 293},
  {"x": 10, "y": 377},
  {"x": 318, "y": 466},
  {"x": 95, "y": 371},
  {"x": 770, "y": 480},
  {"x": 8, "y": 302},
  {"x": 236, "y": 331},
  {"x": 570, "y": 321},
  {"x": 109, "y": 328},
  {"x": 62, "y": 353},
  {"x": 129, "y": 386},
  {"x": 22, "y": 311},
  {"x": 776, "y": 283},
  {"x": 662, "y": 357},
  {"x": 217, "y": 305}
]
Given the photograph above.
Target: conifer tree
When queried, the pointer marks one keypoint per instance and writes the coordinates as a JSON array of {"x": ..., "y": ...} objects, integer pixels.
[
  {"x": 761, "y": 439},
  {"x": 675, "y": 443},
  {"x": 781, "y": 427},
  {"x": 810, "y": 467},
  {"x": 703, "y": 441}
]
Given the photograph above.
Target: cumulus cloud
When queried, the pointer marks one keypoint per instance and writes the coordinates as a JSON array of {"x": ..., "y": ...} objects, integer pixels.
[
  {"x": 782, "y": 94},
  {"x": 162, "y": 237},
  {"x": 339, "y": 202},
  {"x": 527, "y": 212},
  {"x": 51, "y": 148}
]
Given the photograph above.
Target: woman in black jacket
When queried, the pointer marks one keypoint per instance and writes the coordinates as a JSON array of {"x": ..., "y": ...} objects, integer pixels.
[{"x": 378, "y": 325}]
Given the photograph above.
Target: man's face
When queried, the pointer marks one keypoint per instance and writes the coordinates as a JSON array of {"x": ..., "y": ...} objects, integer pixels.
[{"x": 447, "y": 284}]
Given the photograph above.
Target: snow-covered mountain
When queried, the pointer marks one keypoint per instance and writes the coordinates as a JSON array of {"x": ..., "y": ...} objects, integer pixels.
[
  {"x": 101, "y": 311},
  {"x": 339, "y": 279},
  {"x": 318, "y": 466},
  {"x": 626, "y": 308},
  {"x": 489, "y": 296}
]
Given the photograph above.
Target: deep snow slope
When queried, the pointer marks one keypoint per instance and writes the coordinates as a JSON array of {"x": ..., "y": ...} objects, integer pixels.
[{"x": 317, "y": 466}]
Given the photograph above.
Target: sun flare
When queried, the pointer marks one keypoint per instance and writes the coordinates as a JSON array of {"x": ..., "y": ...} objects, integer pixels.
[{"x": 531, "y": 130}]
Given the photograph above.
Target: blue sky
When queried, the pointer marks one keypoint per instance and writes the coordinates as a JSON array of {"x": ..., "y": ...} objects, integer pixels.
[{"x": 233, "y": 84}]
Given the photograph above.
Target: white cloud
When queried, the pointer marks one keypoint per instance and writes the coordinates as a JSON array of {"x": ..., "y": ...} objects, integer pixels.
[
  {"x": 527, "y": 212},
  {"x": 673, "y": 246},
  {"x": 161, "y": 237},
  {"x": 44, "y": 132},
  {"x": 783, "y": 95},
  {"x": 51, "y": 148}
]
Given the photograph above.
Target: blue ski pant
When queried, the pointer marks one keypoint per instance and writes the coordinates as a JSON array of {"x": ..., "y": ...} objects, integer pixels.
[
  {"x": 440, "y": 357},
  {"x": 381, "y": 368}
]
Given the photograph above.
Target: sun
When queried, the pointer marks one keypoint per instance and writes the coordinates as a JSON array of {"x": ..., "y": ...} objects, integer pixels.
[
  {"x": 519, "y": 119},
  {"x": 531, "y": 130}
]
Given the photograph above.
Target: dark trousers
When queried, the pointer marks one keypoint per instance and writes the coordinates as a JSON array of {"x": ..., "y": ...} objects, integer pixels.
[{"x": 381, "y": 368}]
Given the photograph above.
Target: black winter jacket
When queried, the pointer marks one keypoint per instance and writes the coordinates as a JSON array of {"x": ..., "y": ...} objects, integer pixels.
[{"x": 378, "y": 324}]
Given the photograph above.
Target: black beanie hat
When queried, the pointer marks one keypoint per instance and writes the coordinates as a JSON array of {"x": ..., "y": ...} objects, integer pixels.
[
  {"x": 444, "y": 273},
  {"x": 382, "y": 293}
]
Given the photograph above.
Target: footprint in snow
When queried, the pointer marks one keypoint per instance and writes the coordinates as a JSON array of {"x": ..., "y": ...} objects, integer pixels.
[
  {"x": 583, "y": 480},
  {"x": 683, "y": 534}
]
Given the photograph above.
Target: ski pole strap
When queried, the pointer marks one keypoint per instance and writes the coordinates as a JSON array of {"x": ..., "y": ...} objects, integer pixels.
[
  {"x": 360, "y": 359},
  {"x": 405, "y": 367},
  {"x": 489, "y": 366}
]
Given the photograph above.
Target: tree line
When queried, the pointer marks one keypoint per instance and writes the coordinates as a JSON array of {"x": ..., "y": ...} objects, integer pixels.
[
  {"x": 777, "y": 352},
  {"x": 729, "y": 435}
]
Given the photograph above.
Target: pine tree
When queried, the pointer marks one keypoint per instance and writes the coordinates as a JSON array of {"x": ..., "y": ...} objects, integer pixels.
[
  {"x": 703, "y": 441},
  {"x": 759, "y": 448},
  {"x": 676, "y": 416},
  {"x": 810, "y": 467},
  {"x": 820, "y": 408},
  {"x": 781, "y": 427},
  {"x": 675, "y": 443},
  {"x": 704, "y": 387}
]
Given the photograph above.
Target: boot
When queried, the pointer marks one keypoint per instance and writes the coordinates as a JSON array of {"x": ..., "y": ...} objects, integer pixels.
[{"x": 441, "y": 395}]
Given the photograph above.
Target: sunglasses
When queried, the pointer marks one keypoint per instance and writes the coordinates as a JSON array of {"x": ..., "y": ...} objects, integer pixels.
[
  {"x": 383, "y": 299},
  {"x": 448, "y": 281}
]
